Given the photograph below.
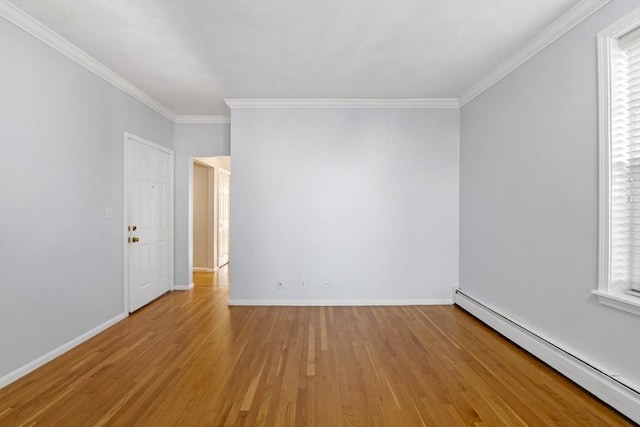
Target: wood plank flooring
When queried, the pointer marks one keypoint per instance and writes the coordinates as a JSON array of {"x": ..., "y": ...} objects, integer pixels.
[
  {"x": 218, "y": 279},
  {"x": 188, "y": 359}
]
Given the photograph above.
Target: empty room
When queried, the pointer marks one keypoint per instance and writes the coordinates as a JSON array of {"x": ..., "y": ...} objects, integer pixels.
[{"x": 340, "y": 212}]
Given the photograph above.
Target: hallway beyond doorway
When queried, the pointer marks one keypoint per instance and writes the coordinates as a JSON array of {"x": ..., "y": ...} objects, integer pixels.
[{"x": 218, "y": 279}]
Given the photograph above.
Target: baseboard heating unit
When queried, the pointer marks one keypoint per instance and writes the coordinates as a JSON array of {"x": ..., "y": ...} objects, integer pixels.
[{"x": 609, "y": 388}]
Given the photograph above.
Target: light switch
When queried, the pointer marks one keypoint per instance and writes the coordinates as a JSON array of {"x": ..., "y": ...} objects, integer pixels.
[{"x": 107, "y": 212}]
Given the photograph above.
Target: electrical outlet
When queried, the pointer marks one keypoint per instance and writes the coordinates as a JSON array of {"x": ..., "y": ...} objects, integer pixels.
[
  {"x": 303, "y": 284},
  {"x": 279, "y": 285}
]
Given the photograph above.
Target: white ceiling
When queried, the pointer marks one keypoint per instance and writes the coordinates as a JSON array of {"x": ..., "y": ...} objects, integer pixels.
[{"x": 190, "y": 55}]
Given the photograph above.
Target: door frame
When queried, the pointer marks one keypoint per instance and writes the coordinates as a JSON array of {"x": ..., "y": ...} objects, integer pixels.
[
  {"x": 125, "y": 205},
  {"x": 212, "y": 216},
  {"x": 213, "y": 181},
  {"x": 222, "y": 171}
]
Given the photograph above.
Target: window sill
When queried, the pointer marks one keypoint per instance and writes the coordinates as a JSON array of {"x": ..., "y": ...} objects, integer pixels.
[{"x": 621, "y": 301}]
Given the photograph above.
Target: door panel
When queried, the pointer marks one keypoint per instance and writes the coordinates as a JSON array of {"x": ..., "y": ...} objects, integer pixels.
[{"x": 150, "y": 257}]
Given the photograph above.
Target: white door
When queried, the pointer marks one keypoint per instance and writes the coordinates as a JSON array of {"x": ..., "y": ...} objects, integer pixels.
[
  {"x": 150, "y": 221},
  {"x": 224, "y": 180}
]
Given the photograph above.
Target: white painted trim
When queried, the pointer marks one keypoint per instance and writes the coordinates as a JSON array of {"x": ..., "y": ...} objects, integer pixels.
[
  {"x": 34, "y": 27},
  {"x": 190, "y": 220},
  {"x": 125, "y": 206},
  {"x": 606, "y": 44},
  {"x": 183, "y": 288},
  {"x": 212, "y": 218},
  {"x": 125, "y": 219},
  {"x": 45, "y": 34},
  {"x": 604, "y": 169},
  {"x": 628, "y": 303},
  {"x": 33, "y": 365},
  {"x": 37, "y": 29},
  {"x": 447, "y": 103},
  {"x": 620, "y": 394},
  {"x": 557, "y": 29},
  {"x": 335, "y": 303},
  {"x": 209, "y": 120}
]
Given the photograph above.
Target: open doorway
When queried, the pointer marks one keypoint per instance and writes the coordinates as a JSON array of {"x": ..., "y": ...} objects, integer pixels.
[{"x": 211, "y": 207}]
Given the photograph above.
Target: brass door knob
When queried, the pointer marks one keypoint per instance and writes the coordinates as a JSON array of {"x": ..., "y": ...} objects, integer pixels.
[{"x": 135, "y": 240}]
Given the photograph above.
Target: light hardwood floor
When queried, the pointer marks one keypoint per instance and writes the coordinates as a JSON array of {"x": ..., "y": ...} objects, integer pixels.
[{"x": 188, "y": 359}]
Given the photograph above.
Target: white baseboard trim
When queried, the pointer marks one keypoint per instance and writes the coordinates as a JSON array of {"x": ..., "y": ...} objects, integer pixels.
[
  {"x": 32, "y": 366},
  {"x": 332, "y": 302},
  {"x": 183, "y": 288},
  {"x": 204, "y": 270},
  {"x": 621, "y": 395}
]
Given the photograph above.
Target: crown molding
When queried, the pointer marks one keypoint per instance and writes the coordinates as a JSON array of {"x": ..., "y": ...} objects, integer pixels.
[
  {"x": 563, "y": 24},
  {"x": 566, "y": 22},
  {"x": 622, "y": 26},
  {"x": 37, "y": 29},
  {"x": 202, "y": 120},
  {"x": 448, "y": 103}
]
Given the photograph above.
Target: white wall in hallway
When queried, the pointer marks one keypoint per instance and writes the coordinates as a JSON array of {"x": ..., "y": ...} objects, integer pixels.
[
  {"x": 215, "y": 164},
  {"x": 201, "y": 212}
]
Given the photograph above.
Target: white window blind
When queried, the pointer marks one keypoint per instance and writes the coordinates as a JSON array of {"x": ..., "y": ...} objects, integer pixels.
[{"x": 625, "y": 162}]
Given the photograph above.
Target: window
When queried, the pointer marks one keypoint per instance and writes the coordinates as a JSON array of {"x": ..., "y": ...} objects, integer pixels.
[{"x": 619, "y": 110}]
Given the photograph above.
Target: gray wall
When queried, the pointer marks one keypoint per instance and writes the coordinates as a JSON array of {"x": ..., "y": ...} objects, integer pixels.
[
  {"x": 61, "y": 164},
  {"x": 528, "y": 200},
  {"x": 191, "y": 140},
  {"x": 364, "y": 198}
]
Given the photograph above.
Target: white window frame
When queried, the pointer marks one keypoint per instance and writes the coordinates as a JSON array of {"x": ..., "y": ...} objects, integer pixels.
[{"x": 607, "y": 43}]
